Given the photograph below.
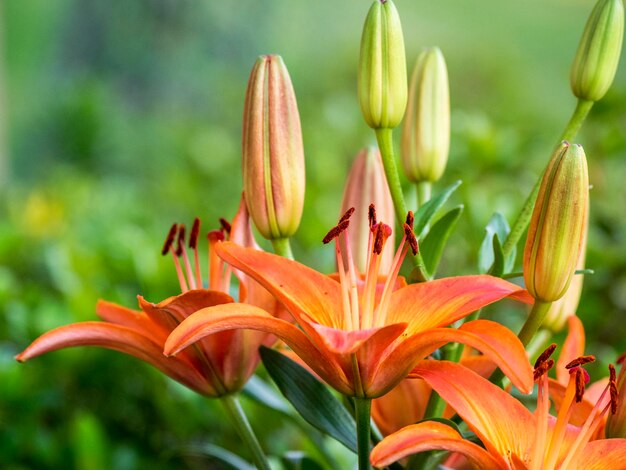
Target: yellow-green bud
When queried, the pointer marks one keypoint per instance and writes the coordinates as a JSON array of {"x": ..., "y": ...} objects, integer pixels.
[
  {"x": 616, "y": 423},
  {"x": 426, "y": 127},
  {"x": 367, "y": 184},
  {"x": 598, "y": 53},
  {"x": 382, "y": 67},
  {"x": 273, "y": 155},
  {"x": 556, "y": 230}
]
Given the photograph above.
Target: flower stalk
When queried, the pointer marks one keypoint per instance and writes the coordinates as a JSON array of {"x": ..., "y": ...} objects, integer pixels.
[{"x": 362, "y": 410}]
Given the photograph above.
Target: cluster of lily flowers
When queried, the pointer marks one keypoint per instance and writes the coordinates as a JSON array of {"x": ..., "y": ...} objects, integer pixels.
[{"x": 374, "y": 335}]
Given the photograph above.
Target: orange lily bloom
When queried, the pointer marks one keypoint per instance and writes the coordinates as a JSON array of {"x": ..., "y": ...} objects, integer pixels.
[
  {"x": 218, "y": 365},
  {"x": 514, "y": 438},
  {"x": 360, "y": 339}
]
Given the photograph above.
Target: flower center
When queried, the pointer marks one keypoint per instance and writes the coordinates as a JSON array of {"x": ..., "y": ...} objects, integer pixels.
[{"x": 363, "y": 309}]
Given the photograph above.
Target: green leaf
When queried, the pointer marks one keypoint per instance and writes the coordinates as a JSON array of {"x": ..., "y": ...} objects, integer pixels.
[
  {"x": 264, "y": 394},
  {"x": 315, "y": 403},
  {"x": 297, "y": 460},
  {"x": 499, "y": 226},
  {"x": 432, "y": 246},
  {"x": 225, "y": 457},
  {"x": 497, "y": 268},
  {"x": 424, "y": 214}
]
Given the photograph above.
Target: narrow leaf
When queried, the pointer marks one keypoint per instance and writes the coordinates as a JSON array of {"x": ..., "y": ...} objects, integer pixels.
[
  {"x": 315, "y": 403},
  {"x": 227, "y": 459},
  {"x": 297, "y": 460},
  {"x": 264, "y": 394},
  {"x": 432, "y": 246},
  {"x": 497, "y": 268},
  {"x": 497, "y": 225},
  {"x": 424, "y": 214}
]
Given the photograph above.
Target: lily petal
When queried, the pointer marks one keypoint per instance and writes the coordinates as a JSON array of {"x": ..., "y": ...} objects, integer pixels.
[
  {"x": 301, "y": 289},
  {"x": 443, "y": 301},
  {"x": 431, "y": 435},
  {"x": 573, "y": 347},
  {"x": 118, "y": 338},
  {"x": 234, "y": 316},
  {"x": 347, "y": 342},
  {"x": 602, "y": 454},
  {"x": 136, "y": 320},
  {"x": 501, "y": 422}
]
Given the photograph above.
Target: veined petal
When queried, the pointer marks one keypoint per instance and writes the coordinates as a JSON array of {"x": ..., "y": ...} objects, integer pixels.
[
  {"x": 602, "y": 454},
  {"x": 301, "y": 289},
  {"x": 347, "y": 342},
  {"x": 234, "y": 316},
  {"x": 495, "y": 341},
  {"x": 573, "y": 347},
  {"x": 582, "y": 409},
  {"x": 444, "y": 301},
  {"x": 404, "y": 405},
  {"x": 118, "y": 338},
  {"x": 136, "y": 320},
  {"x": 431, "y": 435},
  {"x": 501, "y": 422}
]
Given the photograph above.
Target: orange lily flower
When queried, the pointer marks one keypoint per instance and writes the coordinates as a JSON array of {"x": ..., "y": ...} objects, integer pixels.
[
  {"x": 360, "y": 339},
  {"x": 218, "y": 365},
  {"x": 514, "y": 438}
]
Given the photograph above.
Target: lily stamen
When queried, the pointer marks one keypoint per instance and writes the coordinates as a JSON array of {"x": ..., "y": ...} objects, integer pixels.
[
  {"x": 193, "y": 244},
  {"x": 169, "y": 247},
  {"x": 182, "y": 253},
  {"x": 216, "y": 264},
  {"x": 540, "y": 374},
  {"x": 380, "y": 233}
]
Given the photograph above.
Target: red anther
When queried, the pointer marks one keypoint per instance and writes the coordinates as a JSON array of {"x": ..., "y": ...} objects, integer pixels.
[
  {"x": 612, "y": 374},
  {"x": 622, "y": 357},
  {"x": 180, "y": 243},
  {"x": 544, "y": 356},
  {"x": 579, "y": 361},
  {"x": 215, "y": 236},
  {"x": 371, "y": 215},
  {"x": 580, "y": 385},
  {"x": 410, "y": 219},
  {"x": 169, "y": 239},
  {"x": 383, "y": 231},
  {"x": 193, "y": 237},
  {"x": 336, "y": 231},
  {"x": 410, "y": 238},
  {"x": 346, "y": 216},
  {"x": 225, "y": 225},
  {"x": 613, "y": 389},
  {"x": 543, "y": 368}
]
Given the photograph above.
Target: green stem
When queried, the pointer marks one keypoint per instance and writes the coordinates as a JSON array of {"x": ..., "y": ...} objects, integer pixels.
[
  {"x": 424, "y": 190},
  {"x": 435, "y": 406},
  {"x": 385, "y": 144},
  {"x": 519, "y": 227},
  {"x": 362, "y": 409},
  {"x": 242, "y": 426},
  {"x": 282, "y": 247},
  {"x": 538, "y": 343}
]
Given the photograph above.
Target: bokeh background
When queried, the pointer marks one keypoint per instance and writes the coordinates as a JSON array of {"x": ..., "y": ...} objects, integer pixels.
[{"x": 119, "y": 117}]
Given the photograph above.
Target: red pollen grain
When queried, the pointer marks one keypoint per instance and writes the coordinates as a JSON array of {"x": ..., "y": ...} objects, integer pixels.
[
  {"x": 225, "y": 225},
  {"x": 410, "y": 238},
  {"x": 410, "y": 219},
  {"x": 193, "y": 236},
  {"x": 346, "y": 216},
  {"x": 580, "y": 385},
  {"x": 544, "y": 356},
  {"x": 579, "y": 361},
  {"x": 613, "y": 389},
  {"x": 542, "y": 368},
  {"x": 382, "y": 233},
  {"x": 371, "y": 215},
  {"x": 169, "y": 239},
  {"x": 335, "y": 231}
]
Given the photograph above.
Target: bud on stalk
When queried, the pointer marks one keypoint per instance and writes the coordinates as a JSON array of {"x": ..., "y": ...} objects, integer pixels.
[
  {"x": 426, "y": 127},
  {"x": 382, "y": 84},
  {"x": 273, "y": 155},
  {"x": 367, "y": 185},
  {"x": 598, "y": 53},
  {"x": 556, "y": 231}
]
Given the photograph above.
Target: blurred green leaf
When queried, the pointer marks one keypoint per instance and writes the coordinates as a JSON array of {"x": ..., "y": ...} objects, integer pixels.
[
  {"x": 296, "y": 460},
  {"x": 225, "y": 457},
  {"x": 432, "y": 246},
  {"x": 424, "y": 214},
  {"x": 315, "y": 403},
  {"x": 487, "y": 254}
]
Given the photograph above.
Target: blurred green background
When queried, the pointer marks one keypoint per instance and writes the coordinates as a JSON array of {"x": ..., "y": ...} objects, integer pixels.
[{"x": 118, "y": 118}]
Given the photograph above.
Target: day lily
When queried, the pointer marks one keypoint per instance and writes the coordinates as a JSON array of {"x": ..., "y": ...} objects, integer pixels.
[
  {"x": 359, "y": 335},
  {"x": 217, "y": 365},
  {"x": 513, "y": 437}
]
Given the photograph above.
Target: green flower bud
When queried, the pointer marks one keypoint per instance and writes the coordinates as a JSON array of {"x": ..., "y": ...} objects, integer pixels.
[
  {"x": 273, "y": 155},
  {"x": 426, "y": 127},
  {"x": 598, "y": 53},
  {"x": 367, "y": 184},
  {"x": 382, "y": 67},
  {"x": 556, "y": 231},
  {"x": 616, "y": 423}
]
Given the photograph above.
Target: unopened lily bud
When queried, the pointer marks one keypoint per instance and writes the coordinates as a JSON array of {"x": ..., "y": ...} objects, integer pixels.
[
  {"x": 382, "y": 67},
  {"x": 598, "y": 53},
  {"x": 616, "y": 423},
  {"x": 273, "y": 155},
  {"x": 556, "y": 231},
  {"x": 426, "y": 127},
  {"x": 367, "y": 185}
]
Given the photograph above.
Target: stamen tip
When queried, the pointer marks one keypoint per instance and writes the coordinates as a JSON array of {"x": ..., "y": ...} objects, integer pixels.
[
  {"x": 169, "y": 239},
  {"x": 193, "y": 237},
  {"x": 225, "y": 225}
]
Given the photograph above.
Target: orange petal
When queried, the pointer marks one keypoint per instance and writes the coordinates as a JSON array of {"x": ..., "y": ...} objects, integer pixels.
[
  {"x": 444, "y": 301},
  {"x": 236, "y": 316},
  {"x": 501, "y": 422},
  {"x": 348, "y": 342},
  {"x": 136, "y": 320},
  {"x": 301, "y": 289},
  {"x": 405, "y": 404},
  {"x": 431, "y": 435},
  {"x": 573, "y": 347},
  {"x": 492, "y": 339},
  {"x": 118, "y": 338},
  {"x": 602, "y": 454}
]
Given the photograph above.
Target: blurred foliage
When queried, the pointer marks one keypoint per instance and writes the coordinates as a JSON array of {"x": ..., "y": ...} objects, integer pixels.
[{"x": 123, "y": 117}]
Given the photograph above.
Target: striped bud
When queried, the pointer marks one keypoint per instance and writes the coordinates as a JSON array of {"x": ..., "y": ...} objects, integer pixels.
[
  {"x": 273, "y": 156},
  {"x": 426, "y": 127},
  {"x": 556, "y": 231},
  {"x": 382, "y": 84},
  {"x": 598, "y": 53},
  {"x": 367, "y": 185}
]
